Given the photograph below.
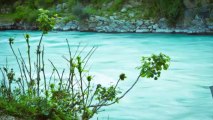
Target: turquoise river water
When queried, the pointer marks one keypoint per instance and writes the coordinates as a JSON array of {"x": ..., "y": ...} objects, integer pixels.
[{"x": 182, "y": 92}]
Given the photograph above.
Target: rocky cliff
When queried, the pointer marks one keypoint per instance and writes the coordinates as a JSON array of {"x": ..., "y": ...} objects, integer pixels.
[
  {"x": 197, "y": 18},
  {"x": 198, "y": 14}
]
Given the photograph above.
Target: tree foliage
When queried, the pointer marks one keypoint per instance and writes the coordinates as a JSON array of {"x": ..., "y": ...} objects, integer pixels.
[{"x": 169, "y": 9}]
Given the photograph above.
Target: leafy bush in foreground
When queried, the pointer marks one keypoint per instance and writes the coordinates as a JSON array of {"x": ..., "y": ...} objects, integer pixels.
[{"x": 40, "y": 97}]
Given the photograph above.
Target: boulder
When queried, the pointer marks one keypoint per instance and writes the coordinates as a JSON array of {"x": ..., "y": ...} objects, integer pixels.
[
  {"x": 155, "y": 26},
  {"x": 180, "y": 31},
  {"x": 8, "y": 117},
  {"x": 83, "y": 26},
  {"x": 147, "y": 22},
  {"x": 165, "y": 30},
  {"x": 162, "y": 23},
  {"x": 139, "y": 23},
  {"x": 59, "y": 26},
  {"x": 134, "y": 3},
  {"x": 113, "y": 17},
  {"x": 198, "y": 23},
  {"x": 58, "y": 8},
  {"x": 92, "y": 25},
  {"x": 72, "y": 25},
  {"x": 131, "y": 15},
  {"x": 142, "y": 30},
  {"x": 150, "y": 27},
  {"x": 142, "y": 27},
  {"x": 123, "y": 9},
  {"x": 99, "y": 18}
]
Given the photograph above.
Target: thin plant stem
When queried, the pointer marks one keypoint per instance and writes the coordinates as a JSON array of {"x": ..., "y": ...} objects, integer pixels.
[
  {"x": 43, "y": 70},
  {"x": 29, "y": 58},
  {"x": 23, "y": 89}
]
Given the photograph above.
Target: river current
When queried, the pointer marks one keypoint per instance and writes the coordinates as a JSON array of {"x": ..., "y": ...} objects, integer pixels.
[{"x": 182, "y": 92}]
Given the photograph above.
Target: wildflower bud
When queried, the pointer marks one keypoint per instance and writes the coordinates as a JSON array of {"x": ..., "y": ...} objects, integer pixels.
[
  {"x": 122, "y": 76},
  {"x": 52, "y": 86},
  {"x": 27, "y": 36},
  {"x": 89, "y": 78},
  {"x": 98, "y": 86},
  {"x": 11, "y": 41}
]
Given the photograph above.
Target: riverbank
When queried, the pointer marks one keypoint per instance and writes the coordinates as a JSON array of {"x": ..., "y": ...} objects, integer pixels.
[{"x": 112, "y": 24}]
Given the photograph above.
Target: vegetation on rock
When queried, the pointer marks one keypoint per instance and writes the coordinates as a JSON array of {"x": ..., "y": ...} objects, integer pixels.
[{"x": 172, "y": 10}]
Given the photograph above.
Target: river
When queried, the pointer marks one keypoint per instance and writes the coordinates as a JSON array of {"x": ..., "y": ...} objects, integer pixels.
[{"x": 182, "y": 92}]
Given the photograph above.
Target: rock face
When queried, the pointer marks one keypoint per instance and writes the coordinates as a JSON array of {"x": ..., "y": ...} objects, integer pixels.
[
  {"x": 113, "y": 24},
  {"x": 7, "y": 117},
  {"x": 6, "y": 26},
  {"x": 17, "y": 26},
  {"x": 198, "y": 15},
  {"x": 70, "y": 26},
  {"x": 198, "y": 18}
]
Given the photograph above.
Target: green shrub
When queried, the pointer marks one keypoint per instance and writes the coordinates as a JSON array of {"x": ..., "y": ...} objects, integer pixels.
[
  {"x": 80, "y": 12},
  {"x": 6, "y": 18},
  {"x": 172, "y": 10},
  {"x": 99, "y": 1},
  {"x": 69, "y": 18},
  {"x": 90, "y": 10},
  {"x": 22, "y": 14},
  {"x": 44, "y": 3},
  {"x": 71, "y": 3},
  {"x": 117, "y": 4}
]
